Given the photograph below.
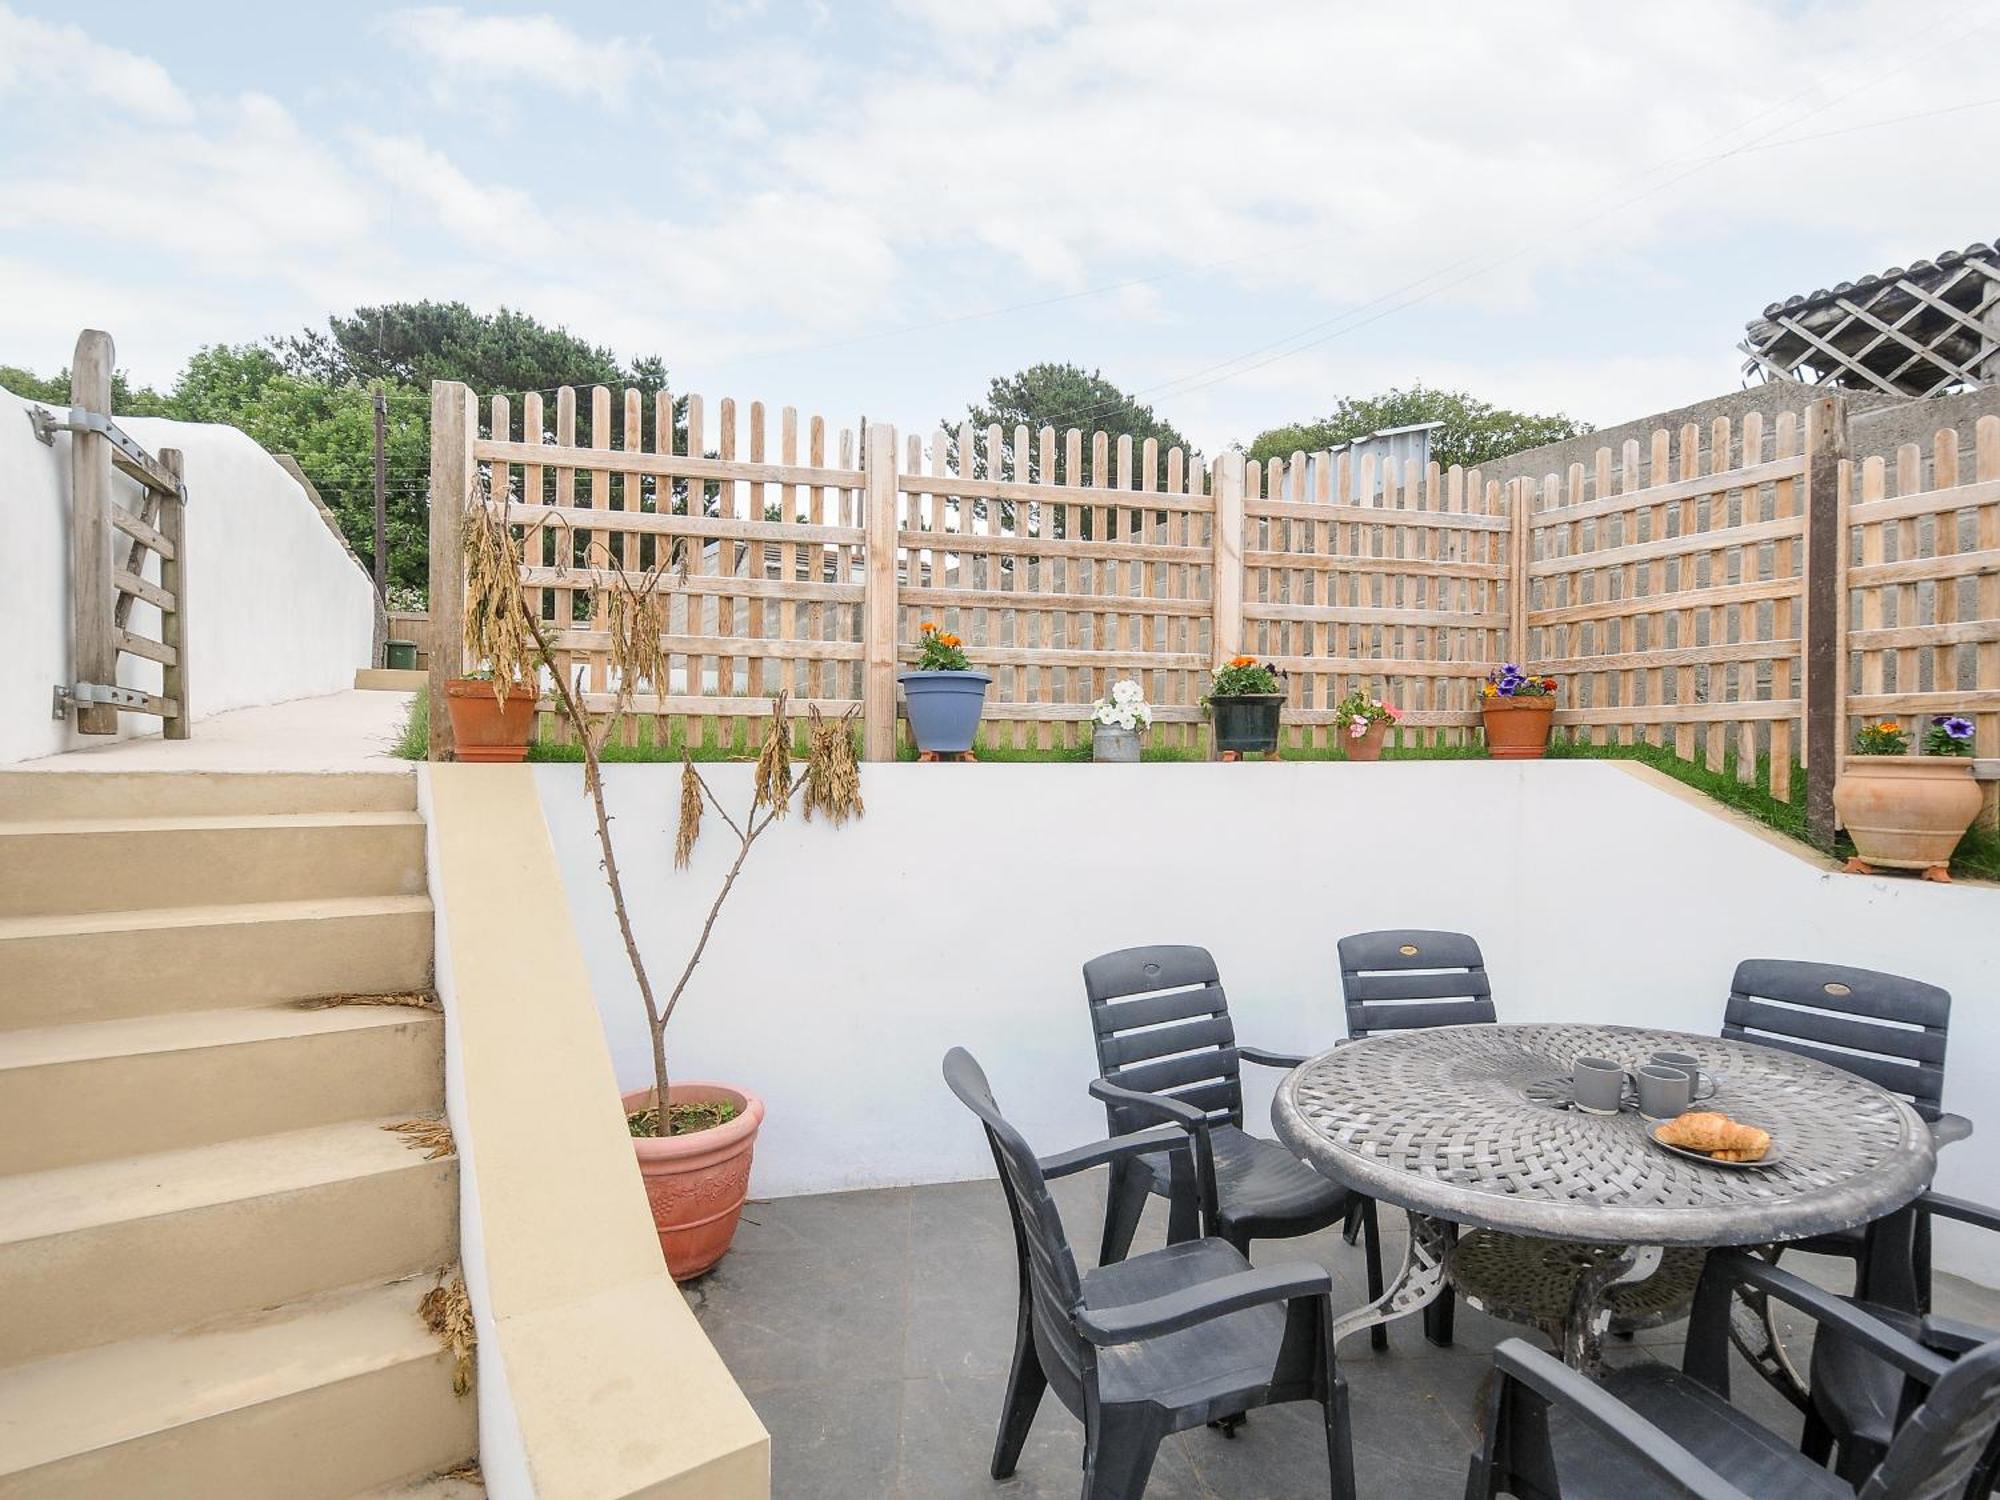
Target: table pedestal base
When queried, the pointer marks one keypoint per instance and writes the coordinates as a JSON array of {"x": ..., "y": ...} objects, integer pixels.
[{"x": 1417, "y": 1281}]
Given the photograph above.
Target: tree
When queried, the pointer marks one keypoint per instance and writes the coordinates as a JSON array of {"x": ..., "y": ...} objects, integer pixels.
[
  {"x": 126, "y": 398},
  {"x": 1063, "y": 396},
  {"x": 1474, "y": 431}
]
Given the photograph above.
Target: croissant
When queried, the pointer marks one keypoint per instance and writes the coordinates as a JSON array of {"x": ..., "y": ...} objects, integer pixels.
[{"x": 1717, "y": 1134}]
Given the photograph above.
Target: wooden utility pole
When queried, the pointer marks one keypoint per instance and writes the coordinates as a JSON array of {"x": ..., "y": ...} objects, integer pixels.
[{"x": 381, "y": 495}]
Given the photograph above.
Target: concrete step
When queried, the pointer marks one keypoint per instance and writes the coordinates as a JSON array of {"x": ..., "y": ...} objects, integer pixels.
[
  {"x": 101, "y": 966},
  {"x": 313, "y": 1401},
  {"x": 42, "y": 796},
  {"x": 78, "y": 865},
  {"x": 85, "y": 1093},
  {"x": 143, "y": 1245}
]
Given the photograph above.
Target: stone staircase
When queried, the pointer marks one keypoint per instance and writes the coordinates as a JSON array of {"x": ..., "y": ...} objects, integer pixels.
[{"x": 211, "y": 1251}]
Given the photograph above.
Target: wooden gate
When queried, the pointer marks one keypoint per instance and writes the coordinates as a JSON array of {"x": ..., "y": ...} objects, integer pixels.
[{"x": 107, "y": 572}]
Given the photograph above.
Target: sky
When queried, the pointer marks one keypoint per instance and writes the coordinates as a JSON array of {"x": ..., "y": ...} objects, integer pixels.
[{"x": 1243, "y": 212}]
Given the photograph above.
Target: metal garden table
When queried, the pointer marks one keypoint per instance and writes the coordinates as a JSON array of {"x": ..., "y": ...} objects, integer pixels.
[{"x": 1470, "y": 1125}]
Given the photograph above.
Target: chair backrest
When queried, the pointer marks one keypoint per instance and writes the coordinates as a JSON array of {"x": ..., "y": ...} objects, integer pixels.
[
  {"x": 1161, "y": 1022},
  {"x": 1405, "y": 978},
  {"x": 1888, "y": 1029},
  {"x": 1935, "y": 1451},
  {"x": 1050, "y": 1284}
]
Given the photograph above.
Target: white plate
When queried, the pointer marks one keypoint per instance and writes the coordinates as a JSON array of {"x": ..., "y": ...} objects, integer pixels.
[{"x": 1771, "y": 1157}]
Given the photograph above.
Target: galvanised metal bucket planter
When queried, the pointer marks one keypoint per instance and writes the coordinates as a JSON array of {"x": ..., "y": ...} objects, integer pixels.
[
  {"x": 944, "y": 709},
  {"x": 1112, "y": 744},
  {"x": 1246, "y": 724}
]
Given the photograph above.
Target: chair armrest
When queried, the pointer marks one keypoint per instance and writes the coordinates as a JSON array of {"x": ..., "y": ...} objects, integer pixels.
[
  {"x": 1268, "y": 1059},
  {"x": 1103, "y": 1153},
  {"x": 1559, "y": 1385},
  {"x": 1200, "y": 1304},
  {"x": 1189, "y": 1119},
  {"x": 1947, "y": 1128},
  {"x": 1952, "y": 1337},
  {"x": 1744, "y": 1269},
  {"x": 1944, "y": 1206}
]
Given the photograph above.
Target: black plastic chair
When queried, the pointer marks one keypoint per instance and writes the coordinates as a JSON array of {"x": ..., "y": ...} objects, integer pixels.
[
  {"x": 1858, "y": 1397},
  {"x": 1888, "y": 1029},
  {"x": 1553, "y": 1434},
  {"x": 1167, "y": 1054},
  {"x": 1164, "y": 1341},
  {"x": 1403, "y": 979}
]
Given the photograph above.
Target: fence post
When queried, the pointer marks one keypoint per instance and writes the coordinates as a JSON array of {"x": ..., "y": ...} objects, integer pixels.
[
  {"x": 1226, "y": 590},
  {"x": 878, "y": 609},
  {"x": 1520, "y": 497},
  {"x": 454, "y": 425},
  {"x": 173, "y": 578},
  {"x": 1826, "y": 608},
  {"x": 94, "y": 656}
]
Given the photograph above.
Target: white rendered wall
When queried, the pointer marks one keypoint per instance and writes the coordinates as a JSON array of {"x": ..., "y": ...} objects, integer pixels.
[
  {"x": 961, "y": 909},
  {"x": 277, "y": 608}
]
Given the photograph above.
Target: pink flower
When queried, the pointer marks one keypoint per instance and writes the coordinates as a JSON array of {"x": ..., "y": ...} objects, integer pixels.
[{"x": 1392, "y": 711}]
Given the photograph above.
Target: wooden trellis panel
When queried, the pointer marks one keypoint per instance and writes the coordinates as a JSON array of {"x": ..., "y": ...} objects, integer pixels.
[
  {"x": 1923, "y": 582},
  {"x": 1060, "y": 588},
  {"x": 1395, "y": 584},
  {"x": 1671, "y": 601},
  {"x": 762, "y": 533}
]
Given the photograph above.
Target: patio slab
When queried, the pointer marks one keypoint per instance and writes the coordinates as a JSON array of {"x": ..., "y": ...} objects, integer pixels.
[
  {"x": 336, "y": 732},
  {"x": 871, "y": 1332}
]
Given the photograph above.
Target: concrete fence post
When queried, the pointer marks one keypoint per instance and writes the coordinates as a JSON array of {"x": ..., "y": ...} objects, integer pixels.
[
  {"x": 879, "y": 584},
  {"x": 1825, "y": 609}
]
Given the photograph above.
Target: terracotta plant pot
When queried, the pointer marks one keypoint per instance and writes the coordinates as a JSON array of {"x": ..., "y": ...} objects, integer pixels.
[
  {"x": 483, "y": 728},
  {"x": 1516, "y": 728},
  {"x": 697, "y": 1183},
  {"x": 1906, "y": 812},
  {"x": 1246, "y": 723},
  {"x": 1368, "y": 746}
]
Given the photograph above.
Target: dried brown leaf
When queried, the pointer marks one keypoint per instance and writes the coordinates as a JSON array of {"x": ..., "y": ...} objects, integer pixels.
[
  {"x": 447, "y": 1312},
  {"x": 690, "y": 820},
  {"x": 431, "y": 1135}
]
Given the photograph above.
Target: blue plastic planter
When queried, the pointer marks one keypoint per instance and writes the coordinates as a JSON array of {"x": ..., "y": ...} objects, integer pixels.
[{"x": 944, "y": 708}]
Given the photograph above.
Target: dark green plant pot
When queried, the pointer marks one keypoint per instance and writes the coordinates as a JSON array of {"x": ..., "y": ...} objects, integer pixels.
[{"x": 1247, "y": 723}]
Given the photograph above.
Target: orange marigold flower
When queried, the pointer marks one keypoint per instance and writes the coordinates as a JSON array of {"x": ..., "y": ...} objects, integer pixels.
[
  {"x": 1242, "y": 661},
  {"x": 929, "y": 627},
  {"x": 951, "y": 640}
]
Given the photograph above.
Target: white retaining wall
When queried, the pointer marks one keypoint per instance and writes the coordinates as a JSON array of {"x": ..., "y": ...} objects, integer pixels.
[
  {"x": 277, "y": 607},
  {"x": 961, "y": 908}
]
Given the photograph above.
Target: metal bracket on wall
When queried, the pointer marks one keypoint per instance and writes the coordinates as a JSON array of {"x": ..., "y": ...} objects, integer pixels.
[
  {"x": 128, "y": 455},
  {"x": 92, "y": 694}
]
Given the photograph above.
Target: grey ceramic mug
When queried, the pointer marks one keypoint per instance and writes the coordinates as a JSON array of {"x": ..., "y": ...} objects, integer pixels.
[
  {"x": 1599, "y": 1085},
  {"x": 1701, "y": 1082},
  {"x": 1665, "y": 1091}
]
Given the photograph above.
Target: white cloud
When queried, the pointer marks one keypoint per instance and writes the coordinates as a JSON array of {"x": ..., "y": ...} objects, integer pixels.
[
  {"x": 479, "y": 51},
  {"x": 65, "y": 65}
]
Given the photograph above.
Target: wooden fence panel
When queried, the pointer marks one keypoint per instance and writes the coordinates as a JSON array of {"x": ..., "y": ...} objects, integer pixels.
[
  {"x": 1396, "y": 585},
  {"x": 764, "y": 551},
  {"x": 1059, "y": 584},
  {"x": 1923, "y": 582},
  {"x": 1670, "y": 600}
]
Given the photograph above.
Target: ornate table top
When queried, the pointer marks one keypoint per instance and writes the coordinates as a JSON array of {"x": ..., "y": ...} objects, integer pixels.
[{"x": 1440, "y": 1122}]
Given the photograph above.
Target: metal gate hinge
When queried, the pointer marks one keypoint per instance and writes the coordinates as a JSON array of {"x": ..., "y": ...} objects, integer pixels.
[{"x": 95, "y": 695}]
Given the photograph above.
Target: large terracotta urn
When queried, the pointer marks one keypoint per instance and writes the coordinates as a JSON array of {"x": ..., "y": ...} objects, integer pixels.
[
  {"x": 1517, "y": 728},
  {"x": 696, "y": 1183},
  {"x": 1906, "y": 812}
]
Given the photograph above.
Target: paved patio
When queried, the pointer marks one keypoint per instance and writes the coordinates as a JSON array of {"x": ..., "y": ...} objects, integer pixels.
[{"x": 871, "y": 1331}]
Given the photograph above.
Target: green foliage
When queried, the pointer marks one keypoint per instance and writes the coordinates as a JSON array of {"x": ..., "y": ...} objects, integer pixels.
[
  {"x": 414, "y": 743},
  {"x": 1245, "y": 676},
  {"x": 1885, "y": 738},
  {"x": 1474, "y": 431},
  {"x": 1064, "y": 396},
  {"x": 1949, "y": 734},
  {"x": 138, "y": 401},
  {"x": 940, "y": 651}
]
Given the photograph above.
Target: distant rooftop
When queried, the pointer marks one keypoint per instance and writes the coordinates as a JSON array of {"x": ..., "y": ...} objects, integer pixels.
[{"x": 1916, "y": 330}]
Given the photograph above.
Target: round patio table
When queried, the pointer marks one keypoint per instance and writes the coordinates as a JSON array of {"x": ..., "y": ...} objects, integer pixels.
[{"x": 1471, "y": 1125}]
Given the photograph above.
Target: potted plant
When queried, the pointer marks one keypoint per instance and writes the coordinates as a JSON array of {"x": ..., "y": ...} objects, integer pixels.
[
  {"x": 1515, "y": 708},
  {"x": 943, "y": 694},
  {"x": 492, "y": 719},
  {"x": 694, "y": 1155},
  {"x": 1244, "y": 700},
  {"x": 492, "y": 709},
  {"x": 1116, "y": 720},
  {"x": 1363, "y": 723},
  {"x": 1903, "y": 811}
]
